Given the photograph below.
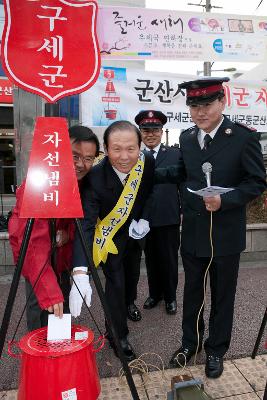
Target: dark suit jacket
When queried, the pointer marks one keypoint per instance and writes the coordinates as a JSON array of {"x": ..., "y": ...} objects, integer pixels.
[
  {"x": 100, "y": 197},
  {"x": 237, "y": 162},
  {"x": 165, "y": 204}
]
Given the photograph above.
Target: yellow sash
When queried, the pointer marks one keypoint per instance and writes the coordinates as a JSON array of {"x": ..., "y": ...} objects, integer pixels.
[{"x": 109, "y": 226}]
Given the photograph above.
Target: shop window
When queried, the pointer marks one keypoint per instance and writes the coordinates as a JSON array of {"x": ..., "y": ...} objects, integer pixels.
[
  {"x": 69, "y": 109},
  {"x": 7, "y": 166},
  {"x": 6, "y": 117}
]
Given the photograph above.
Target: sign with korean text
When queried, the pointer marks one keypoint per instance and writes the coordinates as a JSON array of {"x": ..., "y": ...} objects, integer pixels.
[
  {"x": 50, "y": 47},
  {"x": 130, "y": 91},
  {"x": 51, "y": 189},
  {"x": 142, "y": 33},
  {"x": 6, "y": 91},
  {"x": 109, "y": 226}
]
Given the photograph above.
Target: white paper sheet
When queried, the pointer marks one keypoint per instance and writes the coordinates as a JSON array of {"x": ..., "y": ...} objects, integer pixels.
[
  {"x": 81, "y": 335},
  {"x": 59, "y": 328},
  {"x": 210, "y": 191},
  {"x": 69, "y": 394}
]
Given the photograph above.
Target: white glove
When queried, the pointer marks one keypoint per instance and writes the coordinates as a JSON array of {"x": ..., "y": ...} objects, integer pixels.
[
  {"x": 75, "y": 299},
  {"x": 138, "y": 230},
  {"x": 143, "y": 226},
  {"x": 133, "y": 228}
]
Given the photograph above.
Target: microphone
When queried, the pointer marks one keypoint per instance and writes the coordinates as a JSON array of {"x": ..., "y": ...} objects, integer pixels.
[{"x": 207, "y": 168}]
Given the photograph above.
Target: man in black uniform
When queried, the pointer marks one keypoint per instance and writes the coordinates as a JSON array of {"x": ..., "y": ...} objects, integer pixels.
[
  {"x": 107, "y": 185},
  {"x": 162, "y": 242},
  {"x": 234, "y": 152}
]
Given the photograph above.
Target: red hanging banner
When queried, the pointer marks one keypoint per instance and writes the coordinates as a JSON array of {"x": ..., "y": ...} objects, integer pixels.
[
  {"x": 49, "y": 47},
  {"x": 51, "y": 180}
]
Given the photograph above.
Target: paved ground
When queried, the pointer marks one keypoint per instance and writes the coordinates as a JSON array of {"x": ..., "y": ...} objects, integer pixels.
[
  {"x": 160, "y": 333},
  {"x": 243, "y": 379}
]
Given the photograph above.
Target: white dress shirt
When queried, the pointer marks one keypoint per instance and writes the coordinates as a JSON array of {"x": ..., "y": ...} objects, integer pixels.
[
  {"x": 156, "y": 150},
  {"x": 121, "y": 175},
  {"x": 202, "y": 134}
]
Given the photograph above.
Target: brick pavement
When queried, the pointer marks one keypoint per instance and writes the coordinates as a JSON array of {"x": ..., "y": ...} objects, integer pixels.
[{"x": 157, "y": 331}]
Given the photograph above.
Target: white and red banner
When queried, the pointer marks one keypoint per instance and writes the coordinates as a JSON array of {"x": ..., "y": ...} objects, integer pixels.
[
  {"x": 143, "y": 33},
  {"x": 131, "y": 33},
  {"x": 51, "y": 189},
  {"x": 120, "y": 93}
]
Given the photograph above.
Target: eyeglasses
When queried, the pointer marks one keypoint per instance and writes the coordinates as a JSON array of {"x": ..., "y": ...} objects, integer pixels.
[
  {"x": 146, "y": 131},
  {"x": 85, "y": 160}
]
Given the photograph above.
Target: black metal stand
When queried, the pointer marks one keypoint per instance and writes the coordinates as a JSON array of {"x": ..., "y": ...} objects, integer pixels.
[
  {"x": 14, "y": 288},
  {"x": 15, "y": 283},
  {"x": 52, "y": 110},
  {"x": 258, "y": 340}
]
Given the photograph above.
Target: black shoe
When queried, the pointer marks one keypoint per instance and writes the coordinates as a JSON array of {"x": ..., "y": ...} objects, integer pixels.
[
  {"x": 133, "y": 313},
  {"x": 214, "y": 366},
  {"x": 126, "y": 348},
  {"x": 151, "y": 303},
  {"x": 171, "y": 308},
  {"x": 180, "y": 360}
]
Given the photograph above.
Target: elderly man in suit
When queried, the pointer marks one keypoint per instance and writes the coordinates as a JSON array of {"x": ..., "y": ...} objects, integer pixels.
[
  {"x": 234, "y": 154},
  {"x": 124, "y": 176},
  {"x": 162, "y": 242}
]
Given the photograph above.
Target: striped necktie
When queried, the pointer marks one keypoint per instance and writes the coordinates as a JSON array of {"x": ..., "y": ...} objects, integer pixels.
[{"x": 125, "y": 180}]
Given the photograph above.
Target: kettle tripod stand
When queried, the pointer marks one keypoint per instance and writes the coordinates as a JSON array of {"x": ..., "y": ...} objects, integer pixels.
[
  {"x": 98, "y": 285},
  {"x": 50, "y": 111}
]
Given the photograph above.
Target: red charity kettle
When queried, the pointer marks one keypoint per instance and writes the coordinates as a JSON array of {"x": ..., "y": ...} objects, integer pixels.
[{"x": 60, "y": 370}]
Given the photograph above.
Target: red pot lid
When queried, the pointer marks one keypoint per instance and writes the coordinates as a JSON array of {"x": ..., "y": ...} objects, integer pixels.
[{"x": 36, "y": 344}]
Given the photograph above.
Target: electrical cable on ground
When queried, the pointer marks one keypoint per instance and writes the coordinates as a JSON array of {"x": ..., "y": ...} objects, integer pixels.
[{"x": 140, "y": 366}]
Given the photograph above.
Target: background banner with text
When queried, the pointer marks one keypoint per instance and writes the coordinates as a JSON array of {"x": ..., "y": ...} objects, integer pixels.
[
  {"x": 142, "y": 33},
  {"x": 121, "y": 93}
]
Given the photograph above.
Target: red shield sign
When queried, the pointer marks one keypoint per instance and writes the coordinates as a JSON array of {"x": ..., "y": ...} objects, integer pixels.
[{"x": 50, "y": 47}]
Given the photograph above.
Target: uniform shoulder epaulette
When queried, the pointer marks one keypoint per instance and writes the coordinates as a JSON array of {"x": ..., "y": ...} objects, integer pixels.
[
  {"x": 246, "y": 127},
  {"x": 98, "y": 159},
  {"x": 190, "y": 130}
]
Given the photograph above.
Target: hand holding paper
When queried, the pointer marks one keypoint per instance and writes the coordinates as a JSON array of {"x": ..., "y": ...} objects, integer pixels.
[
  {"x": 213, "y": 203},
  {"x": 210, "y": 191},
  {"x": 59, "y": 328},
  {"x": 57, "y": 309}
]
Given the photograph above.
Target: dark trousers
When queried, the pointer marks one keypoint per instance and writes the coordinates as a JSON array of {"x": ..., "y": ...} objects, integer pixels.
[
  {"x": 223, "y": 275},
  {"x": 122, "y": 273},
  {"x": 161, "y": 255},
  {"x": 36, "y": 317}
]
